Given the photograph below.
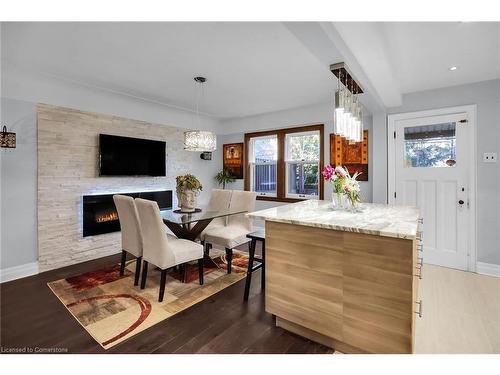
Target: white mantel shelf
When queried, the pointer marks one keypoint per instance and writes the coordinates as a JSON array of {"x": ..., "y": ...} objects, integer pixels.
[{"x": 376, "y": 219}]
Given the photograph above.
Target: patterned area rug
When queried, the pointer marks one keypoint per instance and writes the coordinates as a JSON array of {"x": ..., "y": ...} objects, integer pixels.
[{"x": 112, "y": 309}]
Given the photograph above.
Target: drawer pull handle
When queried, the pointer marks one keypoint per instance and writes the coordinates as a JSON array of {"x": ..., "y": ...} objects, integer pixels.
[
  {"x": 419, "y": 312},
  {"x": 419, "y": 274},
  {"x": 419, "y": 268}
]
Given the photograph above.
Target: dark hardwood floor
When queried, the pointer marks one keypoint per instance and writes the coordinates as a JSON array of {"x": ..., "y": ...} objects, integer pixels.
[{"x": 32, "y": 317}]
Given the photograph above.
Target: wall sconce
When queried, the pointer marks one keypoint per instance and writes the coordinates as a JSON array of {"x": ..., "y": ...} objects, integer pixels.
[{"x": 7, "y": 139}]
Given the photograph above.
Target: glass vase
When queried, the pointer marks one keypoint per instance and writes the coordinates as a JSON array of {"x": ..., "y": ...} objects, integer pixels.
[
  {"x": 338, "y": 200},
  {"x": 351, "y": 205}
]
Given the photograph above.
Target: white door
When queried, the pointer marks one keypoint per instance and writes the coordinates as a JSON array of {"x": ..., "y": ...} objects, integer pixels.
[{"x": 431, "y": 161}]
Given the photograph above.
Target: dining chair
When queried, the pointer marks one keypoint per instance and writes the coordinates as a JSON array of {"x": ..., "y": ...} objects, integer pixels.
[
  {"x": 219, "y": 201},
  {"x": 161, "y": 249},
  {"x": 131, "y": 232},
  {"x": 237, "y": 228}
]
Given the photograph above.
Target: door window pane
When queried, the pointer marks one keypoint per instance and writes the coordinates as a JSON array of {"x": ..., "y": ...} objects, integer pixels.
[
  {"x": 303, "y": 178},
  {"x": 430, "y": 146}
]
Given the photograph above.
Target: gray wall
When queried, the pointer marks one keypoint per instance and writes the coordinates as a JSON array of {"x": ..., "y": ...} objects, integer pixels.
[
  {"x": 486, "y": 95},
  {"x": 19, "y": 186},
  {"x": 318, "y": 114},
  {"x": 18, "y": 168}
]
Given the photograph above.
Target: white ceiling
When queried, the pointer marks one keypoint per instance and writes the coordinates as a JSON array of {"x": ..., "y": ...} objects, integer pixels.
[
  {"x": 256, "y": 67},
  {"x": 416, "y": 56},
  {"x": 250, "y": 68}
]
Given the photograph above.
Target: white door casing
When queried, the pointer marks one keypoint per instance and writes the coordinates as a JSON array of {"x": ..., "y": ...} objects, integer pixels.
[{"x": 445, "y": 195}]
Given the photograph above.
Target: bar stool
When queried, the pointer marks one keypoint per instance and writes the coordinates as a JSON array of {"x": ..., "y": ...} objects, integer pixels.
[{"x": 258, "y": 235}]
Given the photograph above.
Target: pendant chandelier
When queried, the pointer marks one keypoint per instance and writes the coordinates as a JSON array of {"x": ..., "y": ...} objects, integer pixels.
[
  {"x": 348, "y": 112},
  {"x": 199, "y": 140}
]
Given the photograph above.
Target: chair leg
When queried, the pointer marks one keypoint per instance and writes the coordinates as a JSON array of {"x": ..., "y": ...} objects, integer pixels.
[
  {"x": 163, "y": 281},
  {"x": 122, "y": 263},
  {"x": 144, "y": 274},
  {"x": 207, "y": 247},
  {"x": 229, "y": 257},
  {"x": 263, "y": 269},
  {"x": 200, "y": 270},
  {"x": 137, "y": 270},
  {"x": 184, "y": 272},
  {"x": 251, "y": 251}
]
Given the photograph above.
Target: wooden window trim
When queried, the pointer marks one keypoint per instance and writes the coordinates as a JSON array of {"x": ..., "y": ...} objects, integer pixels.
[{"x": 280, "y": 172}]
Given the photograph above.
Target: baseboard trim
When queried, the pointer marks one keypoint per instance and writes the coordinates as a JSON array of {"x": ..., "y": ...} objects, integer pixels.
[
  {"x": 17, "y": 272},
  {"x": 489, "y": 269}
]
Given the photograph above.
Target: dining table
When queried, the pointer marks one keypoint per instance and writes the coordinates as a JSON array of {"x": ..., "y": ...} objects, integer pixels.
[{"x": 189, "y": 225}]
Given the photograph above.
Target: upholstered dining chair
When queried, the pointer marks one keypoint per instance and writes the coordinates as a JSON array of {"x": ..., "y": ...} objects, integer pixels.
[
  {"x": 131, "y": 232},
  {"x": 219, "y": 200},
  {"x": 237, "y": 228},
  {"x": 161, "y": 249}
]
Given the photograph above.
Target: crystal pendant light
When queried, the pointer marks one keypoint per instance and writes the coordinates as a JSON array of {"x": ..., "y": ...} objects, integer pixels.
[
  {"x": 340, "y": 107},
  {"x": 348, "y": 117},
  {"x": 339, "y": 111},
  {"x": 198, "y": 140}
]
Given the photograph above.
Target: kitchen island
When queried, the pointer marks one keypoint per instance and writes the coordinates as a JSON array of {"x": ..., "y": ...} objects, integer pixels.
[{"x": 345, "y": 279}]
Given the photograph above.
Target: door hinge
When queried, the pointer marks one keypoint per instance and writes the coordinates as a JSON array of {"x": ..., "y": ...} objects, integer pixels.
[
  {"x": 394, "y": 194},
  {"x": 394, "y": 135}
]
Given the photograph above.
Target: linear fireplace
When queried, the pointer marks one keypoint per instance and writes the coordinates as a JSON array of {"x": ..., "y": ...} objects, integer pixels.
[{"x": 99, "y": 211}]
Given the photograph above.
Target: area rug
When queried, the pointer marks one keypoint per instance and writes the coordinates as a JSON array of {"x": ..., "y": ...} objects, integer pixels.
[{"x": 112, "y": 309}]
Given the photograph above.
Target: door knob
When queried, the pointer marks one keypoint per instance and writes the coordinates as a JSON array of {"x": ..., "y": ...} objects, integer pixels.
[{"x": 461, "y": 202}]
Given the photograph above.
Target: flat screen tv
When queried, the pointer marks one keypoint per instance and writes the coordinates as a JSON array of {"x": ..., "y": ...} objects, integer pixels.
[{"x": 124, "y": 156}]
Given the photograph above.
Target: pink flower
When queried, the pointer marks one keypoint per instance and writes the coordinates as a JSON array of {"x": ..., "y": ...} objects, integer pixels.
[
  {"x": 327, "y": 172},
  {"x": 340, "y": 171}
]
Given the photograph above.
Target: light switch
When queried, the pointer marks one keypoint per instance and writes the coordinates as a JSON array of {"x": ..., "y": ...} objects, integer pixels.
[{"x": 490, "y": 157}]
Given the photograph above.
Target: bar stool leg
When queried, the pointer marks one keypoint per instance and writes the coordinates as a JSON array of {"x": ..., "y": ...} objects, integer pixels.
[
  {"x": 263, "y": 269},
  {"x": 251, "y": 250}
]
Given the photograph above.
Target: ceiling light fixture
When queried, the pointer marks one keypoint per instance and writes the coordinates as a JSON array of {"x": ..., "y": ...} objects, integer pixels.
[
  {"x": 199, "y": 140},
  {"x": 452, "y": 68},
  {"x": 348, "y": 111}
]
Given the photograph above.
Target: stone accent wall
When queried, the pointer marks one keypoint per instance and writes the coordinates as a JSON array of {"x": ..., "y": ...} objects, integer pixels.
[{"x": 68, "y": 169}]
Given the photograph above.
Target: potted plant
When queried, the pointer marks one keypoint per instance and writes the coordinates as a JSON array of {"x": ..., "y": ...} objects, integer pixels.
[
  {"x": 224, "y": 177},
  {"x": 188, "y": 188}
]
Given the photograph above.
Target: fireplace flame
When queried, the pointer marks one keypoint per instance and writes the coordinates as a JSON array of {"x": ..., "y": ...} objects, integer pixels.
[{"x": 106, "y": 217}]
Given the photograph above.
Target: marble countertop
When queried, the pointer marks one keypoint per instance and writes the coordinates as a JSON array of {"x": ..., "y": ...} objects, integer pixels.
[{"x": 377, "y": 219}]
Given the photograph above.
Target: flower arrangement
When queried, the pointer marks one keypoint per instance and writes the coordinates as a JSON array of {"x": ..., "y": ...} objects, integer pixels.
[
  {"x": 344, "y": 185},
  {"x": 352, "y": 189},
  {"x": 188, "y": 182}
]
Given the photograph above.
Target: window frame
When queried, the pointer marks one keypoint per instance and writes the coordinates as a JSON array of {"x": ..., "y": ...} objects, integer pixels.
[{"x": 281, "y": 163}]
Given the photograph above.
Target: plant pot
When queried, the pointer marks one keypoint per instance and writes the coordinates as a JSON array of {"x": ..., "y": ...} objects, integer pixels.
[{"x": 187, "y": 200}]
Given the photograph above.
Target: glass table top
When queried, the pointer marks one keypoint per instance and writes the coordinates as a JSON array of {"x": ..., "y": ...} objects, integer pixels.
[{"x": 186, "y": 218}]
